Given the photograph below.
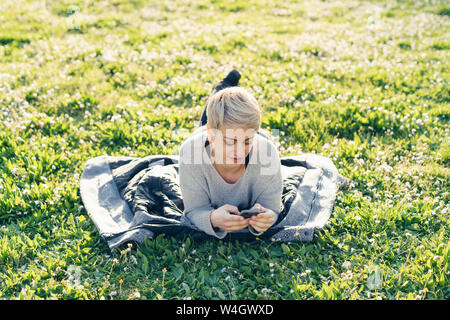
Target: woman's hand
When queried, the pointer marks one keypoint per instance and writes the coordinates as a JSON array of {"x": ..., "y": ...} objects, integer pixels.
[
  {"x": 226, "y": 218},
  {"x": 262, "y": 221}
]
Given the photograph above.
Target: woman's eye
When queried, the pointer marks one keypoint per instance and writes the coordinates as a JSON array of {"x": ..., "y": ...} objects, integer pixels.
[{"x": 232, "y": 143}]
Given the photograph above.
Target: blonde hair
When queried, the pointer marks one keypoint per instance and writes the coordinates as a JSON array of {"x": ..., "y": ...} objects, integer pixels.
[{"x": 235, "y": 107}]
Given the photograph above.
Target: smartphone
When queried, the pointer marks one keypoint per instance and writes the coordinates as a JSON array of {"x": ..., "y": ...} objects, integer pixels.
[{"x": 249, "y": 213}]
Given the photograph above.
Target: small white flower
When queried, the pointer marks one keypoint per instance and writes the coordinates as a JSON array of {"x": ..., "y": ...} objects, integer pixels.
[{"x": 347, "y": 265}]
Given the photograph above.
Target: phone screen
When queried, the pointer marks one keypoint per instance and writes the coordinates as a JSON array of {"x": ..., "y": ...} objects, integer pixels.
[{"x": 249, "y": 213}]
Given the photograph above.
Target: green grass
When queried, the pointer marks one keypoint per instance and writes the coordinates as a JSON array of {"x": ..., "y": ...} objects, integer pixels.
[{"x": 365, "y": 84}]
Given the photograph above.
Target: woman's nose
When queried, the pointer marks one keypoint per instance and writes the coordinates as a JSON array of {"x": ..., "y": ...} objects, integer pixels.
[{"x": 239, "y": 150}]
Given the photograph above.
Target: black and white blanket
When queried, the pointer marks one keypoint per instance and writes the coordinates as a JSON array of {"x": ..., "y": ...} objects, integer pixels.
[{"x": 130, "y": 198}]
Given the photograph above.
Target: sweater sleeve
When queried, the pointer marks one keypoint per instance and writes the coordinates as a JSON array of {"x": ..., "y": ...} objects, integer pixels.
[{"x": 197, "y": 205}]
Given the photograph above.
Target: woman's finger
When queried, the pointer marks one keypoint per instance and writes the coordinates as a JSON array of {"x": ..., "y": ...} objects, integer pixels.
[
  {"x": 263, "y": 216},
  {"x": 231, "y": 228},
  {"x": 231, "y": 209},
  {"x": 259, "y": 229},
  {"x": 234, "y": 217},
  {"x": 261, "y": 225},
  {"x": 266, "y": 217},
  {"x": 238, "y": 223},
  {"x": 257, "y": 206}
]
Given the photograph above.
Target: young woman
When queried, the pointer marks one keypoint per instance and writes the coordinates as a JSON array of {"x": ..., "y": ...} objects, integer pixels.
[{"x": 227, "y": 166}]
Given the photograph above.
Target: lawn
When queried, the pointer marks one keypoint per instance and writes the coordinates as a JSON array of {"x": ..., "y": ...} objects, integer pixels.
[{"x": 365, "y": 83}]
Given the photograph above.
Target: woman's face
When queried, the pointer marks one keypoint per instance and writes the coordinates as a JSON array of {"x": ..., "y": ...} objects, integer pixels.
[{"x": 231, "y": 144}]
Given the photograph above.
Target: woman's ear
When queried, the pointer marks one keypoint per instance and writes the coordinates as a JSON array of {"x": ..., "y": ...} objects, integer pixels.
[{"x": 210, "y": 134}]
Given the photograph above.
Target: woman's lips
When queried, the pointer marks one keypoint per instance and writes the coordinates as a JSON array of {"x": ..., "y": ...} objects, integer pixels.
[{"x": 234, "y": 159}]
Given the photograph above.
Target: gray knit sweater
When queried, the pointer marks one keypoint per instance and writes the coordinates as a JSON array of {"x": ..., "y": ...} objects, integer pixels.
[{"x": 204, "y": 190}]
